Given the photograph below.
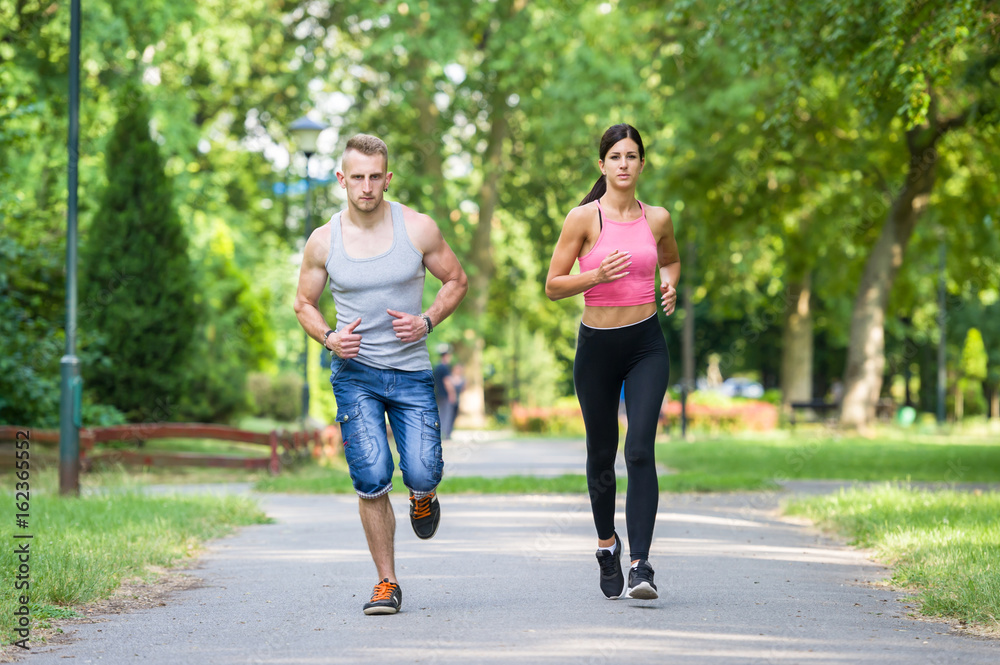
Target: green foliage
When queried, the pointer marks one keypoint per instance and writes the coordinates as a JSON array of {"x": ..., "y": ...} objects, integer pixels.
[
  {"x": 773, "y": 148},
  {"x": 974, "y": 358},
  {"x": 235, "y": 339},
  {"x": 137, "y": 285},
  {"x": 278, "y": 397},
  {"x": 29, "y": 346}
]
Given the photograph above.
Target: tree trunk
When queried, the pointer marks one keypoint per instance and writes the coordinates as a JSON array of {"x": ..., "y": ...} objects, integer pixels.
[
  {"x": 927, "y": 395},
  {"x": 797, "y": 344},
  {"x": 480, "y": 266},
  {"x": 429, "y": 146},
  {"x": 866, "y": 350},
  {"x": 959, "y": 400}
]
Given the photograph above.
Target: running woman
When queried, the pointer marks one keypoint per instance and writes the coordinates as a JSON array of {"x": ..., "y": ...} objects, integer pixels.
[{"x": 620, "y": 243}]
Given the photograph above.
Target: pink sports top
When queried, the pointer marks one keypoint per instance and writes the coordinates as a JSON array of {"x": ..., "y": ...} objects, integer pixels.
[{"x": 639, "y": 286}]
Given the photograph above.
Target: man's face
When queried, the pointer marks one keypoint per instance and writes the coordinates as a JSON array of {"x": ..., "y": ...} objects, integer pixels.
[{"x": 365, "y": 179}]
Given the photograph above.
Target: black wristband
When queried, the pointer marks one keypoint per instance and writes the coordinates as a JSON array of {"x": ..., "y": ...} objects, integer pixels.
[
  {"x": 326, "y": 335},
  {"x": 427, "y": 321}
]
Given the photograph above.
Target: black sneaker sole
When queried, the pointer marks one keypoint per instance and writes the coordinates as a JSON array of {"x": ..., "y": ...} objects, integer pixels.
[
  {"x": 643, "y": 592},
  {"x": 620, "y": 595}
]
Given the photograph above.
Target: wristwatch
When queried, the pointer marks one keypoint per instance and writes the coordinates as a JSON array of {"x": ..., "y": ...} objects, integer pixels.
[
  {"x": 326, "y": 335},
  {"x": 427, "y": 322}
]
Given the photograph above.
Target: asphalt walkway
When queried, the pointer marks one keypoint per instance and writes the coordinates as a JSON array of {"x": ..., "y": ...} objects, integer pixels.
[{"x": 513, "y": 579}]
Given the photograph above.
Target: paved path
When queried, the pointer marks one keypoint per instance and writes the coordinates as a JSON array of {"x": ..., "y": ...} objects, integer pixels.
[{"x": 513, "y": 579}]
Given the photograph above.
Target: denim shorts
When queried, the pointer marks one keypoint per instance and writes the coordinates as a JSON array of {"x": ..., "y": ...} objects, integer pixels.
[{"x": 365, "y": 396}]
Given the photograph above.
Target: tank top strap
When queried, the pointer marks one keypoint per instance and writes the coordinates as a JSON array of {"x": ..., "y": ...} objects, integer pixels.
[
  {"x": 334, "y": 234},
  {"x": 396, "y": 210}
]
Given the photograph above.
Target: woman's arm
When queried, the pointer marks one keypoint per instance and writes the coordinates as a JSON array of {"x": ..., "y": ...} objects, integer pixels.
[
  {"x": 667, "y": 258},
  {"x": 576, "y": 230}
]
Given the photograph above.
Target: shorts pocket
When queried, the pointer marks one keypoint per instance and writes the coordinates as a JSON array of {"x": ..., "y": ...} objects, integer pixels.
[
  {"x": 358, "y": 449},
  {"x": 430, "y": 453},
  {"x": 337, "y": 365}
]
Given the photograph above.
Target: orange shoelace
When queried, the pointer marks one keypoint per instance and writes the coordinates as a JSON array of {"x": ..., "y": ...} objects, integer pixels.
[
  {"x": 422, "y": 507},
  {"x": 383, "y": 590}
]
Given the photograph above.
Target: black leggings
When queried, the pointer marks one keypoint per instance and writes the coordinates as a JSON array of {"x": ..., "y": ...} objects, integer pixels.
[{"x": 635, "y": 355}]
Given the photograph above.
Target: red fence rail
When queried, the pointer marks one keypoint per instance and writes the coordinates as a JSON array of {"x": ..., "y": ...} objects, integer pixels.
[{"x": 282, "y": 444}]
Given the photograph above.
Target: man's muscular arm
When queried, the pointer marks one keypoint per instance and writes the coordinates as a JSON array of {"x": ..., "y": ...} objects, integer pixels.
[
  {"x": 312, "y": 280},
  {"x": 440, "y": 261}
]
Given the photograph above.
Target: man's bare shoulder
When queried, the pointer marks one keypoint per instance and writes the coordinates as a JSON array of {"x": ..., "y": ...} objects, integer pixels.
[
  {"x": 422, "y": 229},
  {"x": 417, "y": 220},
  {"x": 318, "y": 245}
]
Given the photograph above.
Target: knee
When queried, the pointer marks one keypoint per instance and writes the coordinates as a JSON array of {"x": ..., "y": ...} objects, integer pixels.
[{"x": 639, "y": 456}]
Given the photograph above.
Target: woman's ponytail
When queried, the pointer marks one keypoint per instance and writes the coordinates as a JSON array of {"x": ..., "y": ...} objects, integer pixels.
[{"x": 597, "y": 191}]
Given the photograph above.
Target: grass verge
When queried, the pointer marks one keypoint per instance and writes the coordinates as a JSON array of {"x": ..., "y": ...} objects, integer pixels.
[
  {"x": 943, "y": 545},
  {"x": 799, "y": 455},
  {"x": 335, "y": 479},
  {"x": 83, "y": 548},
  {"x": 316, "y": 479}
]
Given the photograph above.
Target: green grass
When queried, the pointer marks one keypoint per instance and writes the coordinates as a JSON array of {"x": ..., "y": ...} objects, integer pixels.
[
  {"x": 199, "y": 446},
  {"x": 734, "y": 463},
  {"x": 83, "y": 548},
  {"x": 801, "y": 455},
  {"x": 944, "y": 546},
  {"x": 316, "y": 479}
]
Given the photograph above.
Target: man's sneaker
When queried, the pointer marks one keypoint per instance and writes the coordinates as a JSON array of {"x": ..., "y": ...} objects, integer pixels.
[
  {"x": 386, "y": 599},
  {"x": 425, "y": 514},
  {"x": 640, "y": 581},
  {"x": 612, "y": 580}
]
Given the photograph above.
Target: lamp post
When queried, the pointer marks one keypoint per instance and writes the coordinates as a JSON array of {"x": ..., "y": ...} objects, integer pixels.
[
  {"x": 942, "y": 375},
  {"x": 70, "y": 386},
  {"x": 306, "y": 132}
]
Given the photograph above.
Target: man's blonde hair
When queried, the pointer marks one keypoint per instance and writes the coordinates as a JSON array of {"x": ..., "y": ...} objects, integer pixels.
[{"x": 368, "y": 145}]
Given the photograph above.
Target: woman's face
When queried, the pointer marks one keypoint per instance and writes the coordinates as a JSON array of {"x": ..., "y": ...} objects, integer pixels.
[{"x": 622, "y": 165}]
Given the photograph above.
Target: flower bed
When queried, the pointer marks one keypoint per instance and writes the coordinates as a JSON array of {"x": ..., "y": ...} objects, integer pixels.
[
  {"x": 731, "y": 416},
  {"x": 736, "y": 416}
]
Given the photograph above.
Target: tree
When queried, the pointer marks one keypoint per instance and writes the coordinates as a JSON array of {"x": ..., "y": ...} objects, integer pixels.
[
  {"x": 919, "y": 71},
  {"x": 471, "y": 88},
  {"x": 137, "y": 286}
]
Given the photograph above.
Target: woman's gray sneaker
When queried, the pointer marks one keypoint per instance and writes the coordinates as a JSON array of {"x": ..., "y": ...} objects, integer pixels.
[{"x": 640, "y": 582}]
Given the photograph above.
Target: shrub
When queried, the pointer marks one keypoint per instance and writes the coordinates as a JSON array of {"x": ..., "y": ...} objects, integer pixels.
[
  {"x": 564, "y": 418},
  {"x": 136, "y": 280},
  {"x": 278, "y": 397}
]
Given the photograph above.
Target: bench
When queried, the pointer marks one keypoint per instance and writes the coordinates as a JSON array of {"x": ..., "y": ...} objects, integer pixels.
[
  {"x": 284, "y": 446},
  {"x": 819, "y": 406}
]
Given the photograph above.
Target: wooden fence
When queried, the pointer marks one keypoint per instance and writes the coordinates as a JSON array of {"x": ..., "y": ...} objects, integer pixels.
[{"x": 284, "y": 446}]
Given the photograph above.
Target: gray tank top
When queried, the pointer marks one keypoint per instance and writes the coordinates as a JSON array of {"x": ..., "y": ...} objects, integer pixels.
[{"x": 366, "y": 288}]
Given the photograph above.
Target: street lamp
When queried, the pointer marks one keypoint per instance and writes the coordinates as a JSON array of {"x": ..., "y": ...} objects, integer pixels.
[
  {"x": 306, "y": 132},
  {"x": 69, "y": 365}
]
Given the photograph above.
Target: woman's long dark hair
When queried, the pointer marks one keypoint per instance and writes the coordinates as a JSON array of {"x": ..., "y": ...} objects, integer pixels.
[{"x": 614, "y": 134}]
